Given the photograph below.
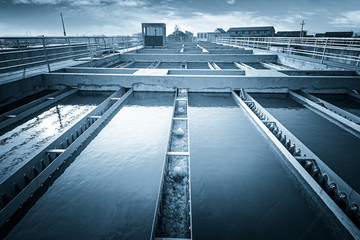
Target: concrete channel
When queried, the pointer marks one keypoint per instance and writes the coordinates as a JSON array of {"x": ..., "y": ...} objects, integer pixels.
[{"x": 173, "y": 217}]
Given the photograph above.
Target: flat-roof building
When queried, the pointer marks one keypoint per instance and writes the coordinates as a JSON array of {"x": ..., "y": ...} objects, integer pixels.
[
  {"x": 252, "y": 31},
  {"x": 154, "y": 34}
]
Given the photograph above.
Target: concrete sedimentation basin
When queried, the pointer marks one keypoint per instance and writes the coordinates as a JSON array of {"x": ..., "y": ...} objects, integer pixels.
[{"x": 101, "y": 150}]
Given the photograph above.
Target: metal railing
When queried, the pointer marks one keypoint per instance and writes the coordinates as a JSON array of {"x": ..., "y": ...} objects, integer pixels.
[
  {"x": 21, "y": 53},
  {"x": 341, "y": 50}
]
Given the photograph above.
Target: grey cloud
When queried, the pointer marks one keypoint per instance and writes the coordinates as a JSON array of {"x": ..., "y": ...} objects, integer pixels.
[{"x": 129, "y": 3}]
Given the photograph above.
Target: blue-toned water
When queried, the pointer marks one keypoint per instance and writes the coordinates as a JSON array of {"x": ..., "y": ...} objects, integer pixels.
[
  {"x": 339, "y": 149},
  {"x": 110, "y": 190},
  {"x": 344, "y": 101},
  {"x": 197, "y": 65},
  {"x": 240, "y": 188},
  {"x": 30, "y": 136}
]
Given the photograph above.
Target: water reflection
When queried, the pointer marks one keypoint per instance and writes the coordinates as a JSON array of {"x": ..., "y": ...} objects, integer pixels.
[
  {"x": 23, "y": 142},
  {"x": 110, "y": 190}
]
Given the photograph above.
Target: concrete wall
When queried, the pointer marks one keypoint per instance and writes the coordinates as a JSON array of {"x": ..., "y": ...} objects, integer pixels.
[
  {"x": 99, "y": 70},
  {"x": 13, "y": 91},
  {"x": 103, "y": 62},
  {"x": 198, "y": 83},
  {"x": 199, "y": 57},
  {"x": 157, "y": 51},
  {"x": 229, "y": 51},
  {"x": 304, "y": 63},
  {"x": 170, "y": 72}
]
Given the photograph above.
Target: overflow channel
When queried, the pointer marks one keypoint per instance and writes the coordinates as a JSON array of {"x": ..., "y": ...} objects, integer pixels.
[{"x": 172, "y": 218}]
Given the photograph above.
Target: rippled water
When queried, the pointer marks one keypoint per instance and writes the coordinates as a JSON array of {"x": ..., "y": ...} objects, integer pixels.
[
  {"x": 110, "y": 190},
  {"x": 28, "y": 138},
  {"x": 19, "y": 103},
  {"x": 339, "y": 149},
  {"x": 240, "y": 189}
]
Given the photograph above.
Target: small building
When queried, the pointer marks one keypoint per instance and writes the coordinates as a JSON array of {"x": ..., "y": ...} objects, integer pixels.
[
  {"x": 336, "y": 34},
  {"x": 211, "y": 36},
  {"x": 154, "y": 34},
  {"x": 252, "y": 31},
  {"x": 214, "y": 35},
  {"x": 202, "y": 36},
  {"x": 290, "y": 34},
  {"x": 339, "y": 34}
]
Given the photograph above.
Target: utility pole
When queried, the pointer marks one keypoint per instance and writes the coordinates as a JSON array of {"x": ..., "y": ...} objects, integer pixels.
[
  {"x": 302, "y": 28},
  {"x": 63, "y": 25}
]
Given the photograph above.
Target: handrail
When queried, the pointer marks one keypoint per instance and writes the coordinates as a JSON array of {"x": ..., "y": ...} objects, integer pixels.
[
  {"x": 20, "y": 53},
  {"x": 342, "y": 50}
]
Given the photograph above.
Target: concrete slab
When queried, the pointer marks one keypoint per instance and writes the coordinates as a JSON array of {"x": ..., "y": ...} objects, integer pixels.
[
  {"x": 199, "y": 82},
  {"x": 152, "y": 72},
  {"x": 199, "y": 57}
]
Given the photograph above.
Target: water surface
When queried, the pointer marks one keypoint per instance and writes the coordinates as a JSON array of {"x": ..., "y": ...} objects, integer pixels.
[
  {"x": 30, "y": 136},
  {"x": 338, "y": 148},
  {"x": 240, "y": 189},
  {"x": 110, "y": 190},
  {"x": 343, "y": 101}
]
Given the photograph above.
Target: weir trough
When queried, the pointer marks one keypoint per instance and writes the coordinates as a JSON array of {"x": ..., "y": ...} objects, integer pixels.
[{"x": 173, "y": 218}]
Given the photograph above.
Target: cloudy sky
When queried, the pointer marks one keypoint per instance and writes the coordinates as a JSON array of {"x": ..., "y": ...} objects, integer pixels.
[{"x": 123, "y": 17}]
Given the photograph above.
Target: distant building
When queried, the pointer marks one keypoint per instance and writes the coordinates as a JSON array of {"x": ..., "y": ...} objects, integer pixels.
[
  {"x": 211, "y": 36},
  {"x": 251, "y": 31},
  {"x": 290, "y": 34},
  {"x": 236, "y": 32},
  {"x": 202, "y": 36},
  {"x": 190, "y": 36},
  {"x": 180, "y": 36},
  {"x": 336, "y": 34},
  {"x": 219, "y": 30}
]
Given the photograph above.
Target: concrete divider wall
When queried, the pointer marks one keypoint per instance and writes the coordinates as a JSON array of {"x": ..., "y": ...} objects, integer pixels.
[
  {"x": 304, "y": 64},
  {"x": 229, "y": 51},
  {"x": 199, "y": 57},
  {"x": 99, "y": 70},
  {"x": 13, "y": 91},
  {"x": 103, "y": 62},
  {"x": 300, "y": 62},
  {"x": 201, "y": 82}
]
